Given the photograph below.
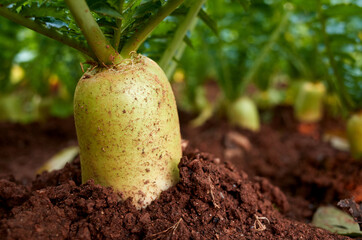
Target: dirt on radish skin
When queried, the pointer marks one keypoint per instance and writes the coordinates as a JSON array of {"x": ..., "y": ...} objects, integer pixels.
[
  {"x": 211, "y": 201},
  {"x": 128, "y": 129}
]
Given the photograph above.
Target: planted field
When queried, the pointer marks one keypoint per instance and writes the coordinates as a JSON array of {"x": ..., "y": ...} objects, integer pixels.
[{"x": 150, "y": 119}]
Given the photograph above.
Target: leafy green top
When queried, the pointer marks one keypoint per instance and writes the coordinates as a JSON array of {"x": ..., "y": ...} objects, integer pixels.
[{"x": 119, "y": 20}]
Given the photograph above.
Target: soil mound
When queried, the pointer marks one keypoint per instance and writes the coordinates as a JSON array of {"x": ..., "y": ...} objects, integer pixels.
[{"x": 212, "y": 201}]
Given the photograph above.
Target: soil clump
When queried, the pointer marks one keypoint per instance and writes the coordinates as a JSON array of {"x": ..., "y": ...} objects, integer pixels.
[
  {"x": 308, "y": 170},
  {"x": 212, "y": 201}
]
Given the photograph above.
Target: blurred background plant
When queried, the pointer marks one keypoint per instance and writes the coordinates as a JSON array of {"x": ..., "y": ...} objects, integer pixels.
[
  {"x": 242, "y": 58},
  {"x": 267, "y": 50},
  {"x": 36, "y": 75}
]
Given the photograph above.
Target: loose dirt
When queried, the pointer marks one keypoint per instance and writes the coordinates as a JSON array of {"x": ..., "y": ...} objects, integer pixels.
[
  {"x": 308, "y": 170},
  {"x": 212, "y": 201}
]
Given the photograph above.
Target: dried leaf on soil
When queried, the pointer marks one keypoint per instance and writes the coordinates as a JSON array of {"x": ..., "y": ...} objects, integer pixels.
[{"x": 336, "y": 221}]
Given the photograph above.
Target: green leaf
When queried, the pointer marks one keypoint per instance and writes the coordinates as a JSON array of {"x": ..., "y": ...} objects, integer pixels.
[
  {"x": 103, "y": 8},
  {"x": 114, "y": 3},
  {"x": 166, "y": 28},
  {"x": 43, "y": 11},
  {"x": 147, "y": 8},
  {"x": 208, "y": 21},
  {"x": 53, "y": 23},
  {"x": 188, "y": 42},
  {"x": 336, "y": 221},
  {"x": 61, "y": 108},
  {"x": 104, "y": 23},
  {"x": 342, "y": 39},
  {"x": 132, "y": 4},
  {"x": 9, "y": 2},
  {"x": 343, "y": 10},
  {"x": 245, "y": 3},
  {"x": 344, "y": 56}
]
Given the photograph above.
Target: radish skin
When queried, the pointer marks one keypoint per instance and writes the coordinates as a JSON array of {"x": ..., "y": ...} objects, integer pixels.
[
  {"x": 354, "y": 134},
  {"x": 128, "y": 129},
  {"x": 244, "y": 113},
  {"x": 308, "y": 106}
]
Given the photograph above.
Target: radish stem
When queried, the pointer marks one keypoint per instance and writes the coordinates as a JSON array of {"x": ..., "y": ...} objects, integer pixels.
[
  {"x": 141, "y": 35},
  {"x": 180, "y": 33},
  {"x": 170, "y": 68},
  {"x": 265, "y": 51},
  {"x": 105, "y": 53},
  {"x": 118, "y": 31},
  {"x": 336, "y": 77}
]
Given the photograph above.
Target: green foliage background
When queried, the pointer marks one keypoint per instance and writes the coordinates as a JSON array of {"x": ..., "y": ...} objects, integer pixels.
[
  {"x": 303, "y": 51},
  {"x": 321, "y": 41},
  {"x": 42, "y": 59}
]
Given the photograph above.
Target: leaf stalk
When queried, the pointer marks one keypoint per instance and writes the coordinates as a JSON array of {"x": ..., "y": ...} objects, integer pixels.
[
  {"x": 265, "y": 51},
  {"x": 17, "y": 18},
  {"x": 180, "y": 33},
  {"x": 336, "y": 78},
  {"x": 105, "y": 53},
  {"x": 118, "y": 31},
  {"x": 141, "y": 35}
]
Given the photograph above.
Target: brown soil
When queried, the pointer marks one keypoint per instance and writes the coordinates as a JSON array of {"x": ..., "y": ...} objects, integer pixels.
[
  {"x": 212, "y": 201},
  {"x": 24, "y": 148},
  {"x": 308, "y": 171}
]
